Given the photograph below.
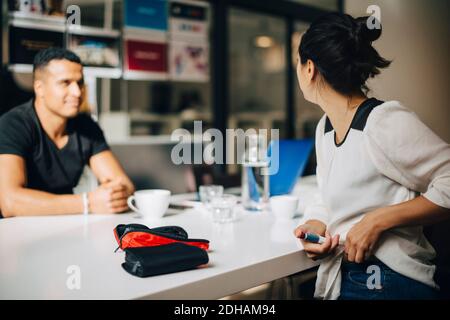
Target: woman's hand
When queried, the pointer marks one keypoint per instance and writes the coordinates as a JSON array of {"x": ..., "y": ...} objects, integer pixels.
[
  {"x": 363, "y": 236},
  {"x": 317, "y": 251}
]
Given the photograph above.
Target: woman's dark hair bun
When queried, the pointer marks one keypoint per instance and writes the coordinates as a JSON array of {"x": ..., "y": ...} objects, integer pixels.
[
  {"x": 366, "y": 33},
  {"x": 341, "y": 48}
]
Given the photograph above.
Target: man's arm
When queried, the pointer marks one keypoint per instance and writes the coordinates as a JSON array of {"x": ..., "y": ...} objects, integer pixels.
[
  {"x": 16, "y": 200},
  {"x": 107, "y": 169}
]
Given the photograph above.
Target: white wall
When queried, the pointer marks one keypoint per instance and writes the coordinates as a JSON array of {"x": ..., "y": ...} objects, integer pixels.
[{"x": 416, "y": 36}]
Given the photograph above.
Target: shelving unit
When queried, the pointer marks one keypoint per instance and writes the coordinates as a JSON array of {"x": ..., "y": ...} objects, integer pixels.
[
  {"x": 57, "y": 24},
  {"x": 177, "y": 30},
  {"x": 160, "y": 37},
  {"x": 36, "y": 17}
]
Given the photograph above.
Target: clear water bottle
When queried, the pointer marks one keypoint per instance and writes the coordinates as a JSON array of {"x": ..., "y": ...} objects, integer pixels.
[{"x": 255, "y": 175}]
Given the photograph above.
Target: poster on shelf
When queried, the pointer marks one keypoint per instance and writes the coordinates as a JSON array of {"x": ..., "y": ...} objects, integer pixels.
[
  {"x": 146, "y": 14},
  {"x": 188, "y": 19},
  {"x": 95, "y": 51},
  {"x": 189, "y": 61},
  {"x": 24, "y": 43},
  {"x": 145, "y": 56}
]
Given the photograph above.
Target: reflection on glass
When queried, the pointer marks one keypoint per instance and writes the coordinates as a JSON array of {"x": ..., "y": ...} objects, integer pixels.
[{"x": 257, "y": 70}]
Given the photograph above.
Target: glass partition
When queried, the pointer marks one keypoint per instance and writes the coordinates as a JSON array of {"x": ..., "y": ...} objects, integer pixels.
[{"x": 257, "y": 71}]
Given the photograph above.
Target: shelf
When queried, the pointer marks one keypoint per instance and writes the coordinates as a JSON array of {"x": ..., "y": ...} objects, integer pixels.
[
  {"x": 35, "y": 24},
  {"x": 178, "y": 117},
  {"x": 54, "y": 23},
  {"x": 92, "y": 31},
  {"x": 108, "y": 73},
  {"x": 196, "y": 3},
  {"x": 141, "y": 75},
  {"x": 18, "y": 15},
  {"x": 147, "y": 35}
]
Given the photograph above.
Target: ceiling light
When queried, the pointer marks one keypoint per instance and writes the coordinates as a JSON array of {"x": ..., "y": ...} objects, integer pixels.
[{"x": 264, "y": 42}]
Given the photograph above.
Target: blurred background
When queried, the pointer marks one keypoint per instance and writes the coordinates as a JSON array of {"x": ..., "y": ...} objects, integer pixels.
[{"x": 154, "y": 66}]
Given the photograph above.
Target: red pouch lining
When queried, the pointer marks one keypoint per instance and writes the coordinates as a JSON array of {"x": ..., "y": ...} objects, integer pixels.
[{"x": 145, "y": 238}]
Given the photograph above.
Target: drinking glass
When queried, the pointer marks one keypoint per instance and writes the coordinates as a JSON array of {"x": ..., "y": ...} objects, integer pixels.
[
  {"x": 207, "y": 192},
  {"x": 222, "y": 208}
]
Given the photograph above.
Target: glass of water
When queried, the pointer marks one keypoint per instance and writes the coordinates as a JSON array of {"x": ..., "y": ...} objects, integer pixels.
[
  {"x": 206, "y": 193},
  {"x": 222, "y": 208}
]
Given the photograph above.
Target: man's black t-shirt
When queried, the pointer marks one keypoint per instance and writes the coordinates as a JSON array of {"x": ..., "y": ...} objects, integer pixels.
[{"x": 49, "y": 168}]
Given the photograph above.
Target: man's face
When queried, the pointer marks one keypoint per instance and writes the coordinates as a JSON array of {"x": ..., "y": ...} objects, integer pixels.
[{"x": 60, "y": 87}]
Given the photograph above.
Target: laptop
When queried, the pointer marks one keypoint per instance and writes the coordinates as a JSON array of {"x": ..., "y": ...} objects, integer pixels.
[
  {"x": 150, "y": 166},
  {"x": 292, "y": 160}
]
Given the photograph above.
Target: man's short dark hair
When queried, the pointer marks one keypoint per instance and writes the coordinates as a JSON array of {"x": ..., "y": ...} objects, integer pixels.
[{"x": 43, "y": 57}]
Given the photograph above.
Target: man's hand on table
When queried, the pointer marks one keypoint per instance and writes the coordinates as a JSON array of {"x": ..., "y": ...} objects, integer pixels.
[{"x": 110, "y": 197}]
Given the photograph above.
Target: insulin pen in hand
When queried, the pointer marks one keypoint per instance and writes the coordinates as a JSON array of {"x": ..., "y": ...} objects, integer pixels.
[{"x": 311, "y": 237}]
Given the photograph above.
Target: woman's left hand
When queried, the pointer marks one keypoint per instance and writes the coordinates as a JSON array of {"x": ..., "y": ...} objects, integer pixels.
[{"x": 363, "y": 236}]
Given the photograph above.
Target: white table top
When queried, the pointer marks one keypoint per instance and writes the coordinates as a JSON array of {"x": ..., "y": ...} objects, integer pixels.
[{"x": 35, "y": 253}]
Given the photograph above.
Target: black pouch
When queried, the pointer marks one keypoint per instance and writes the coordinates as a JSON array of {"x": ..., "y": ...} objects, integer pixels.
[{"x": 169, "y": 258}]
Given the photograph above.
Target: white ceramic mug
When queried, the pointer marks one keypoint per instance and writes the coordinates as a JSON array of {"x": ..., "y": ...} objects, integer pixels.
[
  {"x": 284, "y": 206},
  {"x": 151, "y": 203}
]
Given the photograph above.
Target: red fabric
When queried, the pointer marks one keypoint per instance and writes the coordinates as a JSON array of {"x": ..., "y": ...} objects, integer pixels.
[{"x": 138, "y": 239}]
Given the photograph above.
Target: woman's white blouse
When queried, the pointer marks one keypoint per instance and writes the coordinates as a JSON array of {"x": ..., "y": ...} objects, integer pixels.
[{"x": 387, "y": 157}]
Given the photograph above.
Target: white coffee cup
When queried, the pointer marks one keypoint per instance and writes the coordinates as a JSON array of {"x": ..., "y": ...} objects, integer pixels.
[
  {"x": 284, "y": 206},
  {"x": 151, "y": 203}
]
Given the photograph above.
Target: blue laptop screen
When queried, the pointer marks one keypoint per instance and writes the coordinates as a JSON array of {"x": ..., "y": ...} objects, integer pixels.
[{"x": 292, "y": 160}]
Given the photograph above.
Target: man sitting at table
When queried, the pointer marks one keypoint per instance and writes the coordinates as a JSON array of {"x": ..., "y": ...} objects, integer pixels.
[{"x": 46, "y": 143}]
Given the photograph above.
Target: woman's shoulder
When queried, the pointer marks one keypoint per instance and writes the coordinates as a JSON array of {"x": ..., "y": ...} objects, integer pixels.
[
  {"x": 393, "y": 126},
  {"x": 391, "y": 113}
]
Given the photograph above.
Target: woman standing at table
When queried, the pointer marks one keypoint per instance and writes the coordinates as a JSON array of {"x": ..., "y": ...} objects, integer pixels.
[{"x": 374, "y": 159}]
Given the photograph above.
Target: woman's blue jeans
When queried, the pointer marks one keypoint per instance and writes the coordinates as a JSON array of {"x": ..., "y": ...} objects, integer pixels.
[{"x": 373, "y": 280}]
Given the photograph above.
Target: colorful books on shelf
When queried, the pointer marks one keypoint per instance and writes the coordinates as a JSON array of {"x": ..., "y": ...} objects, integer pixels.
[
  {"x": 188, "y": 41},
  {"x": 189, "y": 61},
  {"x": 145, "y": 40},
  {"x": 189, "y": 19},
  {"x": 145, "y": 59},
  {"x": 160, "y": 39},
  {"x": 146, "y": 15}
]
